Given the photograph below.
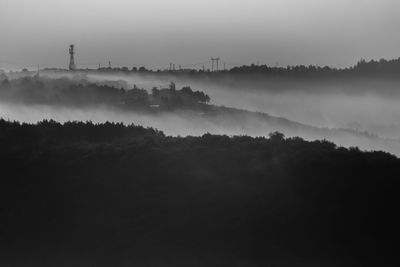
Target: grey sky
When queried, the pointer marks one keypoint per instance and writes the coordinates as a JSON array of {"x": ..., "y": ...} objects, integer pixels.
[{"x": 156, "y": 32}]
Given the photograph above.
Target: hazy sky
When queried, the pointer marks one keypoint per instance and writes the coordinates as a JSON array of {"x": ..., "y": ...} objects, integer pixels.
[{"x": 156, "y": 32}]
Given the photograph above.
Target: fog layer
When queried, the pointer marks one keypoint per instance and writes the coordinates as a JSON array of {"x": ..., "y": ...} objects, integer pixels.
[
  {"x": 371, "y": 106},
  {"x": 348, "y": 119}
]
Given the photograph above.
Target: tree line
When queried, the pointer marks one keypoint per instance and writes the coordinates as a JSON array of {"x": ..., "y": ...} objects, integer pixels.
[{"x": 362, "y": 67}]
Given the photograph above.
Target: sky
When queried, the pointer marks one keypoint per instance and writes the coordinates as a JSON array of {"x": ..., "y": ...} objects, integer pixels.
[{"x": 154, "y": 33}]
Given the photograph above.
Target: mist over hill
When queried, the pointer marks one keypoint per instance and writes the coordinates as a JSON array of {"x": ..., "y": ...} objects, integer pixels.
[
  {"x": 101, "y": 97},
  {"x": 199, "y": 133},
  {"x": 214, "y": 175}
]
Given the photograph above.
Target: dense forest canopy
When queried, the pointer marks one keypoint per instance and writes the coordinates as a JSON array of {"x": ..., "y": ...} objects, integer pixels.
[{"x": 109, "y": 193}]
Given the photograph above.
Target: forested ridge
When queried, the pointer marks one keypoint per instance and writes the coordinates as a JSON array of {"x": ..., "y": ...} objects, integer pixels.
[
  {"x": 80, "y": 92},
  {"x": 114, "y": 194}
]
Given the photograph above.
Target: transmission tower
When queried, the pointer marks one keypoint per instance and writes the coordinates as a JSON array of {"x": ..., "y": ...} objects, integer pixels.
[
  {"x": 71, "y": 58},
  {"x": 216, "y": 60}
]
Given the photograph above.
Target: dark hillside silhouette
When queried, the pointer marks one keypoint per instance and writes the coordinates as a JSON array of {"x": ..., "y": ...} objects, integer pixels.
[{"x": 112, "y": 194}]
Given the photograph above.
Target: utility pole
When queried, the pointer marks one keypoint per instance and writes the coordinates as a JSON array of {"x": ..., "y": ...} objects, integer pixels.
[{"x": 72, "y": 66}]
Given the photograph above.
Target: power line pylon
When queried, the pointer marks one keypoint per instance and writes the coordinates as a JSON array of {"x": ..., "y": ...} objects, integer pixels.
[{"x": 216, "y": 60}]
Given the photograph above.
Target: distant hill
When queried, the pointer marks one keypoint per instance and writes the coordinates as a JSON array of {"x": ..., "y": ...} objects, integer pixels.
[{"x": 362, "y": 67}]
